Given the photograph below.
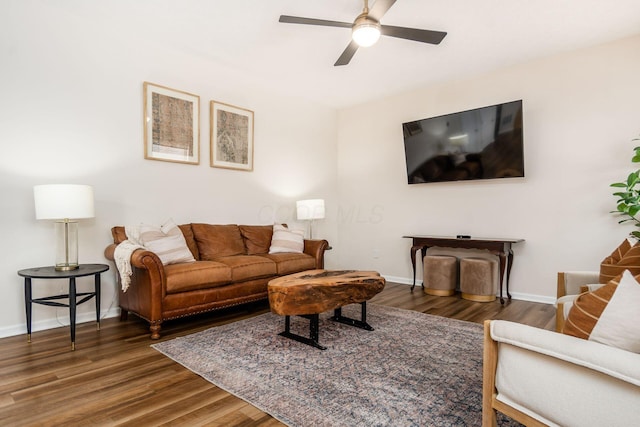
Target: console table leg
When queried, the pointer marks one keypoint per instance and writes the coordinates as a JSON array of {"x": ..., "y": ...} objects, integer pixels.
[
  {"x": 509, "y": 265},
  {"x": 502, "y": 268},
  {"x": 414, "y": 249},
  {"x": 423, "y": 251}
]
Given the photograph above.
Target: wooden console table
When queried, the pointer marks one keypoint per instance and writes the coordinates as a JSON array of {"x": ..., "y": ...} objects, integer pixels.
[{"x": 497, "y": 246}]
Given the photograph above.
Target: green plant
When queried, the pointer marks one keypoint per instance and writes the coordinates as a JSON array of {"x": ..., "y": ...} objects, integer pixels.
[{"x": 628, "y": 203}]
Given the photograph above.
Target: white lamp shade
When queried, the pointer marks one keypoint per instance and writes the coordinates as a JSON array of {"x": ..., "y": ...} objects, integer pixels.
[
  {"x": 63, "y": 201},
  {"x": 310, "y": 209}
]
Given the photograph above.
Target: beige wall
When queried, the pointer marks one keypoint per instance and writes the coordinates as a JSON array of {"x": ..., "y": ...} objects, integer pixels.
[
  {"x": 581, "y": 111},
  {"x": 71, "y": 112}
]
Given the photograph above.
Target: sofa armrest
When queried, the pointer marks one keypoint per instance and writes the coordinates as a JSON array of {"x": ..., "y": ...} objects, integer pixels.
[
  {"x": 563, "y": 307},
  {"x": 109, "y": 252},
  {"x": 316, "y": 249},
  {"x": 139, "y": 258},
  {"x": 558, "y": 379},
  {"x": 569, "y": 282},
  {"x": 147, "y": 288}
]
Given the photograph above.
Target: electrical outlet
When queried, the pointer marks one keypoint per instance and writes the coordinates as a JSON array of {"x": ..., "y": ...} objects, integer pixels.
[{"x": 375, "y": 253}]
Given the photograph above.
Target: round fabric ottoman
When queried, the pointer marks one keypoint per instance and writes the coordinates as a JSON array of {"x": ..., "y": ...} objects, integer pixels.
[
  {"x": 478, "y": 279},
  {"x": 440, "y": 275}
]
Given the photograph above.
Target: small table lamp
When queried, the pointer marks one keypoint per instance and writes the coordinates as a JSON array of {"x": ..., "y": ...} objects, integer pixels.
[
  {"x": 64, "y": 202},
  {"x": 310, "y": 210}
]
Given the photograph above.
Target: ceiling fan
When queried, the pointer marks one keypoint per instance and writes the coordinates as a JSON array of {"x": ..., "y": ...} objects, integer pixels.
[{"x": 366, "y": 29}]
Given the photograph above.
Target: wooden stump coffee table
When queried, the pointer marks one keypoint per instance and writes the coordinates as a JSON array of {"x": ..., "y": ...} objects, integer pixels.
[{"x": 309, "y": 293}]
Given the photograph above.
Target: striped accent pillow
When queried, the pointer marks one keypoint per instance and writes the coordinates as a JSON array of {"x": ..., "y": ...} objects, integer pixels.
[
  {"x": 587, "y": 309},
  {"x": 166, "y": 241},
  {"x": 625, "y": 257},
  {"x": 609, "y": 315},
  {"x": 285, "y": 240}
]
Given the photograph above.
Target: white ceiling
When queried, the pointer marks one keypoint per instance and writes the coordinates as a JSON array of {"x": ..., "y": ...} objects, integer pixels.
[{"x": 245, "y": 36}]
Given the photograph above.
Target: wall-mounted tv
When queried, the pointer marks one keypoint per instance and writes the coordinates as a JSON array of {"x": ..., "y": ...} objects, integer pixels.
[{"x": 483, "y": 143}]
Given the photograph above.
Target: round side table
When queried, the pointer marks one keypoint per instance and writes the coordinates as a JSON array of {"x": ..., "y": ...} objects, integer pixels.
[{"x": 52, "y": 273}]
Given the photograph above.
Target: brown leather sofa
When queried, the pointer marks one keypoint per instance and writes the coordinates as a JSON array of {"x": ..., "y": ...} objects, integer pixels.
[{"x": 232, "y": 267}]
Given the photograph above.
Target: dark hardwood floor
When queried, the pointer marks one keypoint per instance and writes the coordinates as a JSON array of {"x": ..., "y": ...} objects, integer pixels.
[{"x": 115, "y": 378}]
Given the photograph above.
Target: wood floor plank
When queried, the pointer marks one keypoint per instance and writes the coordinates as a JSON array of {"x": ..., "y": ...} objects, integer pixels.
[{"x": 115, "y": 378}]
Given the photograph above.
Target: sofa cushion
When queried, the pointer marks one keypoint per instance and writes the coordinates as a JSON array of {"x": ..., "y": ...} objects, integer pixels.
[
  {"x": 285, "y": 240},
  {"x": 248, "y": 267},
  {"x": 196, "y": 275},
  {"x": 216, "y": 241},
  {"x": 288, "y": 263},
  {"x": 625, "y": 257},
  {"x": 187, "y": 232},
  {"x": 166, "y": 241},
  {"x": 257, "y": 238}
]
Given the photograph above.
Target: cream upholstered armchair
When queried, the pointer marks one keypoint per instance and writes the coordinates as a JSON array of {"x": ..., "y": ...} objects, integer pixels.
[
  {"x": 540, "y": 377},
  {"x": 570, "y": 285}
]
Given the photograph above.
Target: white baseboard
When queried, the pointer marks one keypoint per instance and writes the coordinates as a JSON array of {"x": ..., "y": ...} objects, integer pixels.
[
  {"x": 58, "y": 322},
  {"x": 514, "y": 295},
  {"x": 402, "y": 280}
]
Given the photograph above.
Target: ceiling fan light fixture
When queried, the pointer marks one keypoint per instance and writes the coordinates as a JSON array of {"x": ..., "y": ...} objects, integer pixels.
[{"x": 366, "y": 31}]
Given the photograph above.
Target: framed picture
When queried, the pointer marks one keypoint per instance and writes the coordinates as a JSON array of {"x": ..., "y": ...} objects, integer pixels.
[
  {"x": 171, "y": 125},
  {"x": 231, "y": 137}
]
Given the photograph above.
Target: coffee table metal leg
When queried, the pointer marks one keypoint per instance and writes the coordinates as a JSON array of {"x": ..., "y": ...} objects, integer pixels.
[
  {"x": 314, "y": 331},
  {"x": 362, "y": 324}
]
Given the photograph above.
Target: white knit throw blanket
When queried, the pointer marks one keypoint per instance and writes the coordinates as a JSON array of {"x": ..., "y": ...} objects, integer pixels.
[{"x": 122, "y": 256}]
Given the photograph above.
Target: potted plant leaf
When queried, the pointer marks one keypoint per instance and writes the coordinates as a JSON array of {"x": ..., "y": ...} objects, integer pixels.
[{"x": 628, "y": 203}]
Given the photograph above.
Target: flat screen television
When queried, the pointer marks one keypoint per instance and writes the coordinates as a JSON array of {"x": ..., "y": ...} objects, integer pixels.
[{"x": 483, "y": 143}]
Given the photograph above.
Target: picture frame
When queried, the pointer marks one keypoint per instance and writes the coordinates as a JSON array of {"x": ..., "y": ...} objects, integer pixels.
[
  {"x": 231, "y": 139},
  {"x": 171, "y": 125}
]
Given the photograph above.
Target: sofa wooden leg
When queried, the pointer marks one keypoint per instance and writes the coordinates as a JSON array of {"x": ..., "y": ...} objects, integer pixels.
[
  {"x": 124, "y": 315},
  {"x": 155, "y": 330}
]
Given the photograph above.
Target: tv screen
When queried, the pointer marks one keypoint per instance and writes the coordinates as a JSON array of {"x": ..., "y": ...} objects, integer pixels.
[{"x": 484, "y": 143}]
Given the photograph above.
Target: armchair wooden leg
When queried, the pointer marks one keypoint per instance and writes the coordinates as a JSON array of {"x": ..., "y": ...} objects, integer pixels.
[{"x": 489, "y": 364}]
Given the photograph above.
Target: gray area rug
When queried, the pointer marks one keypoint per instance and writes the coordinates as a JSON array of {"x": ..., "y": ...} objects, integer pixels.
[{"x": 413, "y": 370}]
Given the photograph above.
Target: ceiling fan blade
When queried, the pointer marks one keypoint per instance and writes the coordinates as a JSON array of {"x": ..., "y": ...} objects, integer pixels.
[
  {"x": 311, "y": 21},
  {"x": 347, "y": 54},
  {"x": 380, "y": 7},
  {"x": 424, "y": 36}
]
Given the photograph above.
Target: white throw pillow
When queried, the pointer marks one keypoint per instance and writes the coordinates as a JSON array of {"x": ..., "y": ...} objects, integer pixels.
[
  {"x": 285, "y": 240},
  {"x": 619, "y": 323},
  {"x": 166, "y": 241}
]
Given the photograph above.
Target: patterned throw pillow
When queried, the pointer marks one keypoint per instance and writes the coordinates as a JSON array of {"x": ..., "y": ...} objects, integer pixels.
[
  {"x": 166, "y": 241},
  {"x": 625, "y": 257},
  {"x": 609, "y": 315},
  {"x": 587, "y": 308},
  {"x": 285, "y": 240}
]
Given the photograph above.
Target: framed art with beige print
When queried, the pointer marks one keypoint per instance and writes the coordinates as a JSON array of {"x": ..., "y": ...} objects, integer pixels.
[
  {"x": 231, "y": 137},
  {"x": 171, "y": 125}
]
